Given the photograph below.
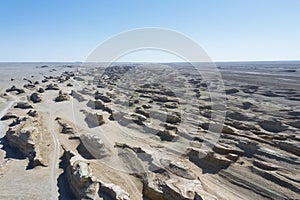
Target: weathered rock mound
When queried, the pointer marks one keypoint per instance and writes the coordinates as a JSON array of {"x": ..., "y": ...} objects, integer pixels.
[
  {"x": 62, "y": 97},
  {"x": 35, "y": 98},
  {"x": 26, "y": 137},
  {"x": 94, "y": 120},
  {"x": 81, "y": 181},
  {"x": 23, "y": 105},
  {"x": 92, "y": 147}
]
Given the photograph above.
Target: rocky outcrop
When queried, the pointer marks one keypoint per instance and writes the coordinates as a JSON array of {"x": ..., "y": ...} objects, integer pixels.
[
  {"x": 84, "y": 185},
  {"x": 277, "y": 178},
  {"x": 80, "y": 178},
  {"x": 115, "y": 192},
  {"x": 17, "y": 121},
  {"x": 102, "y": 97},
  {"x": 231, "y": 91},
  {"x": 160, "y": 98},
  {"x": 52, "y": 86},
  {"x": 98, "y": 105},
  {"x": 208, "y": 161},
  {"x": 178, "y": 168},
  {"x": 32, "y": 113},
  {"x": 94, "y": 120},
  {"x": 172, "y": 118},
  {"x": 138, "y": 119},
  {"x": 164, "y": 186},
  {"x": 172, "y": 180},
  {"x": 92, "y": 147},
  {"x": 35, "y": 98},
  {"x": 41, "y": 90},
  {"x": 29, "y": 86},
  {"x": 216, "y": 126},
  {"x": 243, "y": 181},
  {"x": 27, "y": 138},
  {"x": 8, "y": 116},
  {"x": 142, "y": 111},
  {"x": 15, "y": 89},
  {"x": 168, "y": 134},
  {"x": 62, "y": 97},
  {"x": 265, "y": 165},
  {"x": 227, "y": 149},
  {"x": 23, "y": 105},
  {"x": 243, "y": 126},
  {"x": 278, "y": 155},
  {"x": 65, "y": 127}
]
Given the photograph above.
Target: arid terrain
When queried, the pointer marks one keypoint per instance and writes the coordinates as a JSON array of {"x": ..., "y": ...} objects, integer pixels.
[{"x": 139, "y": 131}]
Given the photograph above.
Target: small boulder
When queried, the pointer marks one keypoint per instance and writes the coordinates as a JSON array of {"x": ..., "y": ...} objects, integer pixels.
[
  {"x": 23, "y": 105},
  {"x": 62, "y": 97},
  {"x": 65, "y": 127},
  {"x": 168, "y": 135},
  {"x": 52, "y": 86},
  {"x": 35, "y": 98},
  {"x": 41, "y": 90},
  {"x": 32, "y": 113},
  {"x": 15, "y": 89},
  {"x": 94, "y": 120}
]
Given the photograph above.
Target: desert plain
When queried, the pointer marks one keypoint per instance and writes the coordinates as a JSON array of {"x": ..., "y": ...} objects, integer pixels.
[{"x": 143, "y": 131}]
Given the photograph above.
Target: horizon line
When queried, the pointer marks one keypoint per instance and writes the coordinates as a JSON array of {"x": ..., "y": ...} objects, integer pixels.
[{"x": 216, "y": 61}]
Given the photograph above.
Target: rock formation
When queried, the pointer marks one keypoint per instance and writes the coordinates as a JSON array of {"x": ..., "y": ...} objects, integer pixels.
[
  {"x": 80, "y": 178},
  {"x": 94, "y": 119},
  {"x": 35, "y": 98},
  {"x": 26, "y": 137},
  {"x": 52, "y": 86},
  {"x": 23, "y": 105},
  {"x": 15, "y": 89},
  {"x": 92, "y": 147},
  {"x": 62, "y": 97},
  {"x": 65, "y": 127}
]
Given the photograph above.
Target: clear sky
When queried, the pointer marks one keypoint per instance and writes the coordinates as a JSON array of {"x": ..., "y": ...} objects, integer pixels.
[{"x": 68, "y": 30}]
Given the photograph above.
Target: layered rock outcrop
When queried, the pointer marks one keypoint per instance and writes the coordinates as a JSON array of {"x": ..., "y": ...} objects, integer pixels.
[
  {"x": 80, "y": 178},
  {"x": 27, "y": 137},
  {"x": 84, "y": 185}
]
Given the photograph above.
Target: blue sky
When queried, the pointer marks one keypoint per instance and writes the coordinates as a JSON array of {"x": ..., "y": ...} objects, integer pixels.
[{"x": 68, "y": 30}]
